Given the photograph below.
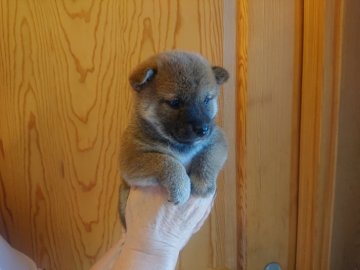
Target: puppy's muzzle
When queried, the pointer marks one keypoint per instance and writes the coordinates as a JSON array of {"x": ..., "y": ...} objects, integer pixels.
[{"x": 201, "y": 130}]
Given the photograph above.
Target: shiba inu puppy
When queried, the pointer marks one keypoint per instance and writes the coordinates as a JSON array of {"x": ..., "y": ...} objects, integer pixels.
[{"x": 172, "y": 139}]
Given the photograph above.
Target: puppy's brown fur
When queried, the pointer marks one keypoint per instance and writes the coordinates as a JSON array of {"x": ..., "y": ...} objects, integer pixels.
[{"x": 172, "y": 139}]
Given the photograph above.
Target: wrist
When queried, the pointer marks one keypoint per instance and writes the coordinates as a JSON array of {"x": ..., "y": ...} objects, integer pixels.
[
  {"x": 153, "y": 243},
  {"x": 136, "y": 258}
]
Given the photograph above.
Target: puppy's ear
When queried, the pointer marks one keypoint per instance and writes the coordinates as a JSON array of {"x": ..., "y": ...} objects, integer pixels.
[
  {"x": 143, "y": 74},
  {"x": 221, "y": 74}
]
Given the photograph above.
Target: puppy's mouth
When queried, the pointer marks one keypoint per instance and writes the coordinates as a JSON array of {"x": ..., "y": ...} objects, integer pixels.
[
  {"x": 187, "y": 136},
  {"x": 188, "y": 141}
]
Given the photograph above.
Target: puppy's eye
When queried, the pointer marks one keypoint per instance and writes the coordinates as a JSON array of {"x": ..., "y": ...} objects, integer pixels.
[
  {"x": 207, "y": 99},
  {"x": 174, "y": 103}
]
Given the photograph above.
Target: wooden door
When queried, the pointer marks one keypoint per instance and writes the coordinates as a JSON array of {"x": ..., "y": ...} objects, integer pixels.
[{"x": 64, "y": 101}]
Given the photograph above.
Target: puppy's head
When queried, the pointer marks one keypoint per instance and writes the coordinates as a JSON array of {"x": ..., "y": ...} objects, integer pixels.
[{"x": 177, "y": 95}]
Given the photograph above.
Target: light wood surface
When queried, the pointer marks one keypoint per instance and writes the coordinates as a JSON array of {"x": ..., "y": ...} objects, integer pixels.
[
  {"x": 269, "y": 132},
  {"x": 346, "y": 229},
  {"x": 329, "y": 132},
  {"x": 318, "y": 133},
  {"x": 64, "y": 100},
  {"x": 311, "y": 97},
  {"x": 295, "y": 132},
  {"x": 242, "y": 40}
]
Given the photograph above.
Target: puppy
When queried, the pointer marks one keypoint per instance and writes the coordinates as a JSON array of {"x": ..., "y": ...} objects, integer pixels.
[{"x": 172, "y": 139}]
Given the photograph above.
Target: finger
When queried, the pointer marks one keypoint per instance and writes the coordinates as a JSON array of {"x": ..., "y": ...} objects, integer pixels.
[{"x": 193, "y": 211}]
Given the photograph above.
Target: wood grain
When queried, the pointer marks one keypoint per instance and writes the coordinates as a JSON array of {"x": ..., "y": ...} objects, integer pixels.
[
  {"x": 229, "y": 112},
  {"x": 64, "y": 101},
  {"x": 295, "y": 132},
  {"x": 270, "y": 178},
  {"x": 312, "y": 87},
  {"x": 330, "y": 126},
  {"x": 318, "y": 133},
  {"x": 345, "y": 253},
  {"x": 242, "y": 39}
]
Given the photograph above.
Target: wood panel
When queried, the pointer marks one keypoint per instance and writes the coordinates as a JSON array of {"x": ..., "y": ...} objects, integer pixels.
[
  {"x": 242, "y": 40},
  {"x": 312, "y": 90},
  {"x": 64, "y": 100},
  {"x": 229, "y": 200},
  {"x": 318, "y": 133},
  {"x": 345, "y": 252},
  {"x": 268, "y": 116}
]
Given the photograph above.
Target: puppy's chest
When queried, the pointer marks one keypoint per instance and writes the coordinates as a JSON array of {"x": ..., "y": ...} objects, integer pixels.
[{"x": 186, "y": 157}]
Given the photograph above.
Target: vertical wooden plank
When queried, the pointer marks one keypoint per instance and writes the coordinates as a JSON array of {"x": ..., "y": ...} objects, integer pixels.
[
  {"x": 271, "y": 81},
  {"x": 329, "y": 126},
  {"x": 312, "y": 87},
  {"x": 229, "y": 124},
  {"x": 242, "y": 36},
  {"x": 345, "y": 253},
  {"x": 295, "y": 132},
  {"x": 318, "y": 133}
]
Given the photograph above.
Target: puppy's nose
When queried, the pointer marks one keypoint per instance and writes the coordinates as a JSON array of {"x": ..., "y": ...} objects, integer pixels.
[{"x": 201, "y": 130}]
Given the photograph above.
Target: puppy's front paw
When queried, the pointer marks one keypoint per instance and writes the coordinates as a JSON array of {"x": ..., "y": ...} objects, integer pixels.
[
  {"x": 202, "y": 187},
  {"x": 179, "y": 192}
]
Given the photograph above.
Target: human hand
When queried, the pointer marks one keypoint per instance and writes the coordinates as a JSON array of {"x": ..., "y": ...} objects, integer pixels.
[
  {"x": 157, "y": 230},
  {"x": 13, "y": 259}
]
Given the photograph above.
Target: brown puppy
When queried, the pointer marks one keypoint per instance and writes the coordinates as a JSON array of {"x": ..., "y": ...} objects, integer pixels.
[{"x": 172, "y": 139}]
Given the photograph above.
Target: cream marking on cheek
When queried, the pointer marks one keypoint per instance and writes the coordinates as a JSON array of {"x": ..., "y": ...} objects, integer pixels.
[
  {"x": 149, "y": 115},
  {"x": 147, "y": 112},
  {"x": 215, "y": 107}
]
